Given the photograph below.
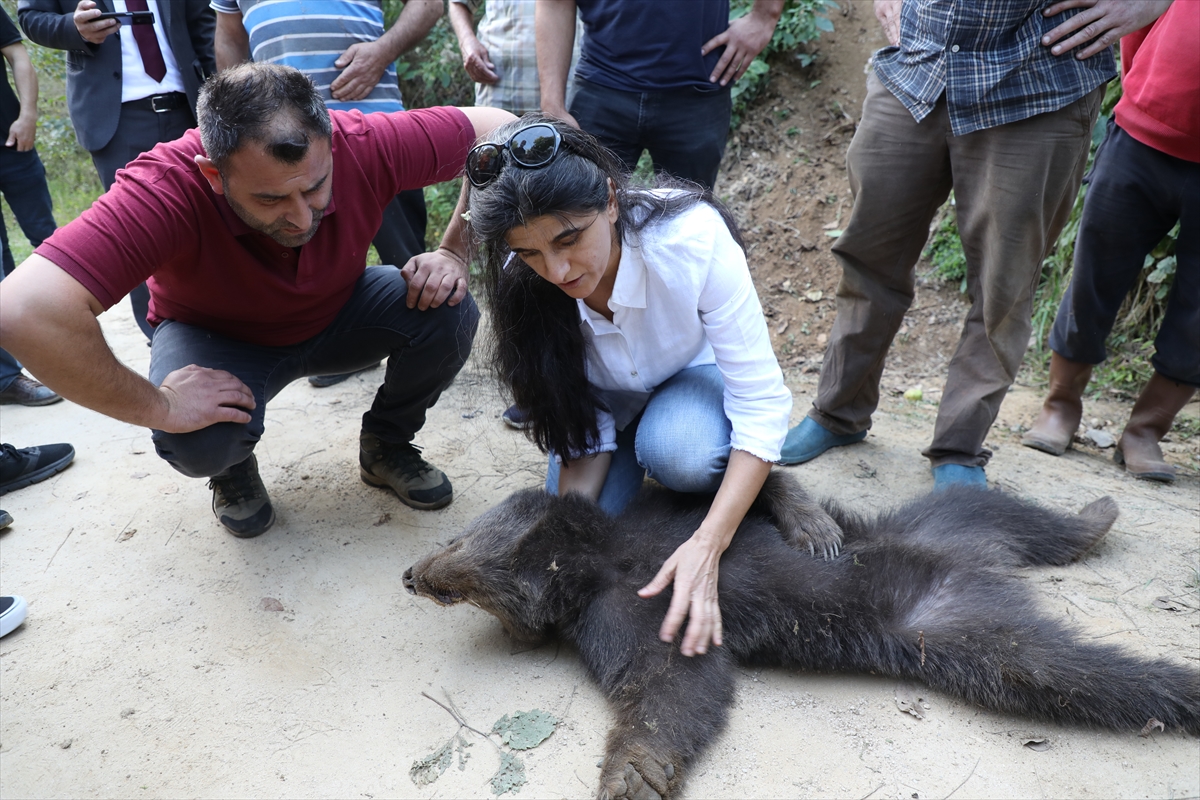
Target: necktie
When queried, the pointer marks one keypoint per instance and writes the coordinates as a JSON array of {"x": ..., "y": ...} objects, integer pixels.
[{"x": 147, "y": 42}]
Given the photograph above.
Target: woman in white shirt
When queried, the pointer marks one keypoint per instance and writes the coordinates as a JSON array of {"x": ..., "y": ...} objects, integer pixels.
[{"x": 626, "y": 326}]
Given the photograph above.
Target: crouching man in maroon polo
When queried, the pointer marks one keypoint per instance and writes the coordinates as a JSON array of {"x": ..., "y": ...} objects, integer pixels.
[{"x": 253, "y": 232}]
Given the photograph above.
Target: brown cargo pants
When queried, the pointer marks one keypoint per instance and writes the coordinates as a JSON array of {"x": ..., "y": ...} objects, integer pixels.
[{"x": 1014, "y": 186}]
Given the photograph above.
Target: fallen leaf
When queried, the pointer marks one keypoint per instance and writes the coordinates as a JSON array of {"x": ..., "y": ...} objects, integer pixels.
[
  {"x": 425, "y": 771},
  {"x": 1039, "y": 744},
  {"x": 510, "y": 776},
  {"x": 270, "y": 604},
  {"x": 910, "y": 699},
  {"x": 1166, "y": 604},
  {"x": 126, "y": 535},
  {"x": 137, "y": 476},
  {"x": 833, "y": 234},
  {"x": 384, "y": 519},
  {"x": 525, "y": 729}
]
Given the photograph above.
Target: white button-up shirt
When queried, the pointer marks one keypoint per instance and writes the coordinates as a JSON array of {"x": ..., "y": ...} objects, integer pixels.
[{"x": 684, "y": 298}]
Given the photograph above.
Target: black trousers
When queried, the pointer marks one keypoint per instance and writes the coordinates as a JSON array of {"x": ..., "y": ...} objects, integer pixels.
[
  {"x": 684, "y": 129},
  {"x": 1135, "y": 196}
]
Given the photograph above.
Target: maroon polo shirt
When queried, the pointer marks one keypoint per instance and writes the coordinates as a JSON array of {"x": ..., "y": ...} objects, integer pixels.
[{"x": 162, "y": 221}]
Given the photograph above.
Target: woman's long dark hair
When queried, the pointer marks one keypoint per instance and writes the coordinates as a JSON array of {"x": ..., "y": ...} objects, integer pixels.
[{"x": 538, "y": 348}]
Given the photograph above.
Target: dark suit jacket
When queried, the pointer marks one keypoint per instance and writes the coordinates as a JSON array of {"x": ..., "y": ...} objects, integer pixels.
[{"x": 94, "y": 71}]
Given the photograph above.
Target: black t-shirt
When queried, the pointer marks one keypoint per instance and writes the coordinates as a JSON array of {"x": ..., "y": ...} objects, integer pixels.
[
  {"x": 650, "y": 45},
  {"x": 10, "y": 106}
]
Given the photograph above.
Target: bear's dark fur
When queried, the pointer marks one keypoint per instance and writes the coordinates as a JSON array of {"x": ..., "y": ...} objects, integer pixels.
[{"x": 927, "y": 591}]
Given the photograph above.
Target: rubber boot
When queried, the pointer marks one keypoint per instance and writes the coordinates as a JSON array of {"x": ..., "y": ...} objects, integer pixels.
[
  {"x": 1063, "y": 408},
  {"x": 1149, "y": 422}
]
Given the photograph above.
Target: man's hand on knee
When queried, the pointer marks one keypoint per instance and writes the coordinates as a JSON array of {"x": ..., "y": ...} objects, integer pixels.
[
  {"x": 435, "y": 278},
  {"x": 198, "y": 397}
]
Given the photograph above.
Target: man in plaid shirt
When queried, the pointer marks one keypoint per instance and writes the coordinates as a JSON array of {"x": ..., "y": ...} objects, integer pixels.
[{"x": 995, "y": 100}]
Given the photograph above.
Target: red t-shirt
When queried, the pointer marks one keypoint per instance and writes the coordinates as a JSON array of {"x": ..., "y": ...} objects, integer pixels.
[
  {"x": 161, "y": 221},
  {"x": 1160, "y": 99}
]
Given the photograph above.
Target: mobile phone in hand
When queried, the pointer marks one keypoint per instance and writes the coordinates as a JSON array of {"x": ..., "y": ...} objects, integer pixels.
[{"x": 129, "y": 17}]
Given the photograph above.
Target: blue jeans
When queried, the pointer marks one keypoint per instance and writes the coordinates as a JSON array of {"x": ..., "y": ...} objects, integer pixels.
[
  {"x": 681, "y": 439},
  {"x": 23, "y": 182},
  {"x": 684, "y": 129},
  {"x": 425, "y": 350}
]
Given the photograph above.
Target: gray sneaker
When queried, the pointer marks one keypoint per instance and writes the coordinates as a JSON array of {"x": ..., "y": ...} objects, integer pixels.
[
  {"x": 240, "y": 500},
  {"x": 399, "y": 466}
]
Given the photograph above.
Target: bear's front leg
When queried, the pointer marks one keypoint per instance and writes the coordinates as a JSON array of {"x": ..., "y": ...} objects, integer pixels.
[{"x": 668, "y": 708}]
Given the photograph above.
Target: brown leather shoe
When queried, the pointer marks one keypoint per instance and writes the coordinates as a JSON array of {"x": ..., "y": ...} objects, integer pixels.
[
  {"x": 28, "y": 392},
  {"x": 1063, "y": 408},
  {"x": 1149, "y": 422}
]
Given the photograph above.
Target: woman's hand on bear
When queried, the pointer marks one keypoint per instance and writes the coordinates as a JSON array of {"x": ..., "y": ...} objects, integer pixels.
[{"x": 693, "y": 568}]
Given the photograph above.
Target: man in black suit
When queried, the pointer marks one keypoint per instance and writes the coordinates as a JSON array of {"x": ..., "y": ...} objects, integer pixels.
[{"x": 129, "y": 87}]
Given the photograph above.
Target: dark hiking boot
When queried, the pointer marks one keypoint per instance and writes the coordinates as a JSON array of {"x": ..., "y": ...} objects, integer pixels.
[
  {"x": 240, "y": 500},
  {"x": 1149, "y": 422},
  {"x": 1063, "y": 408},
  {"x": 19, "y": 468},
  {"x": 400, "y": 467}
]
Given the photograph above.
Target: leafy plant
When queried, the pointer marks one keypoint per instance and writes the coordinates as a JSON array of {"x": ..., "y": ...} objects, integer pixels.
[{"x": 801, "y": 22}]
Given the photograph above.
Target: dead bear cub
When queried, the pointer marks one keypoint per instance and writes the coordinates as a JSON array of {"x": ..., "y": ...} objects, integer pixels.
[{"x": 926, "y": 591}]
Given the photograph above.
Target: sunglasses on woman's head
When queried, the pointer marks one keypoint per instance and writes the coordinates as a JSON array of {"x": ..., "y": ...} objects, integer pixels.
[{"x": 532, "y": 147}]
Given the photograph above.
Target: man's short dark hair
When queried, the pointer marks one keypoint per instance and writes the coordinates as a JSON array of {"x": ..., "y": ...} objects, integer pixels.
[{"x": 275, "y": 106}]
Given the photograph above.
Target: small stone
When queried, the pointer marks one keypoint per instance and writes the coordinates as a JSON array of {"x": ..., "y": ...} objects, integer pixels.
[
  {"x": 1099, "y": 438},
  {"x": 65, "y": 744},
  {"x": 270, "y": 604},
  {"x": 126, "y": 713}
]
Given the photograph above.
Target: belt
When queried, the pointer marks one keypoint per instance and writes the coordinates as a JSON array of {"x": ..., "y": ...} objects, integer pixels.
[{"x": 161, "y": 103}]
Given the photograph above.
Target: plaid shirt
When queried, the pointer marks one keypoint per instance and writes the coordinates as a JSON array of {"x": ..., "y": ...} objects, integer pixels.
[
  {"x": 987, "y": 56},
  {"x": 506, "y": 30}
]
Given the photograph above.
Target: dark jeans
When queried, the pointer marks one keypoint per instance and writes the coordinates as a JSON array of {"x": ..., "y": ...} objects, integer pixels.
[
  {"x": 425, "y": 350},
  {"x": 23, "y": 182},
  {"x": 684, "y": 129},
  {"x": 138, "y": 130},
  {"x": 1135, "y": 195}
]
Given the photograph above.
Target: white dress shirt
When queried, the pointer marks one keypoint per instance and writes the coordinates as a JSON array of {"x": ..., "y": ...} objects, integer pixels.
[
  {"x": 683, "y": 298},
  {"x": 135, "y": 83}
]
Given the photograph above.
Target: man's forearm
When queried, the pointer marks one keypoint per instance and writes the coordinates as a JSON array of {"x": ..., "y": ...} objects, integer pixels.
[
  {"x": 232, "y": 45},
  {"x": 44, "y": 25},
  {"x": 25, "y": 77},
  {"x": 554, "y": 27},
  {"x": 462, "y": 21},
  {"x": 48, "y": 321},
  {"x": 416, "y": 20}
]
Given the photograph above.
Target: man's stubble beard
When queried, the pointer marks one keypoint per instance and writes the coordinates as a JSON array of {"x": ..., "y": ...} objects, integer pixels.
[{"x": 273, "y": 229}]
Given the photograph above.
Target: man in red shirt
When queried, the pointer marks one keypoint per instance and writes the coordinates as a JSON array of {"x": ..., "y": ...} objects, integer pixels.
[{"x": 253, "y": 232}]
